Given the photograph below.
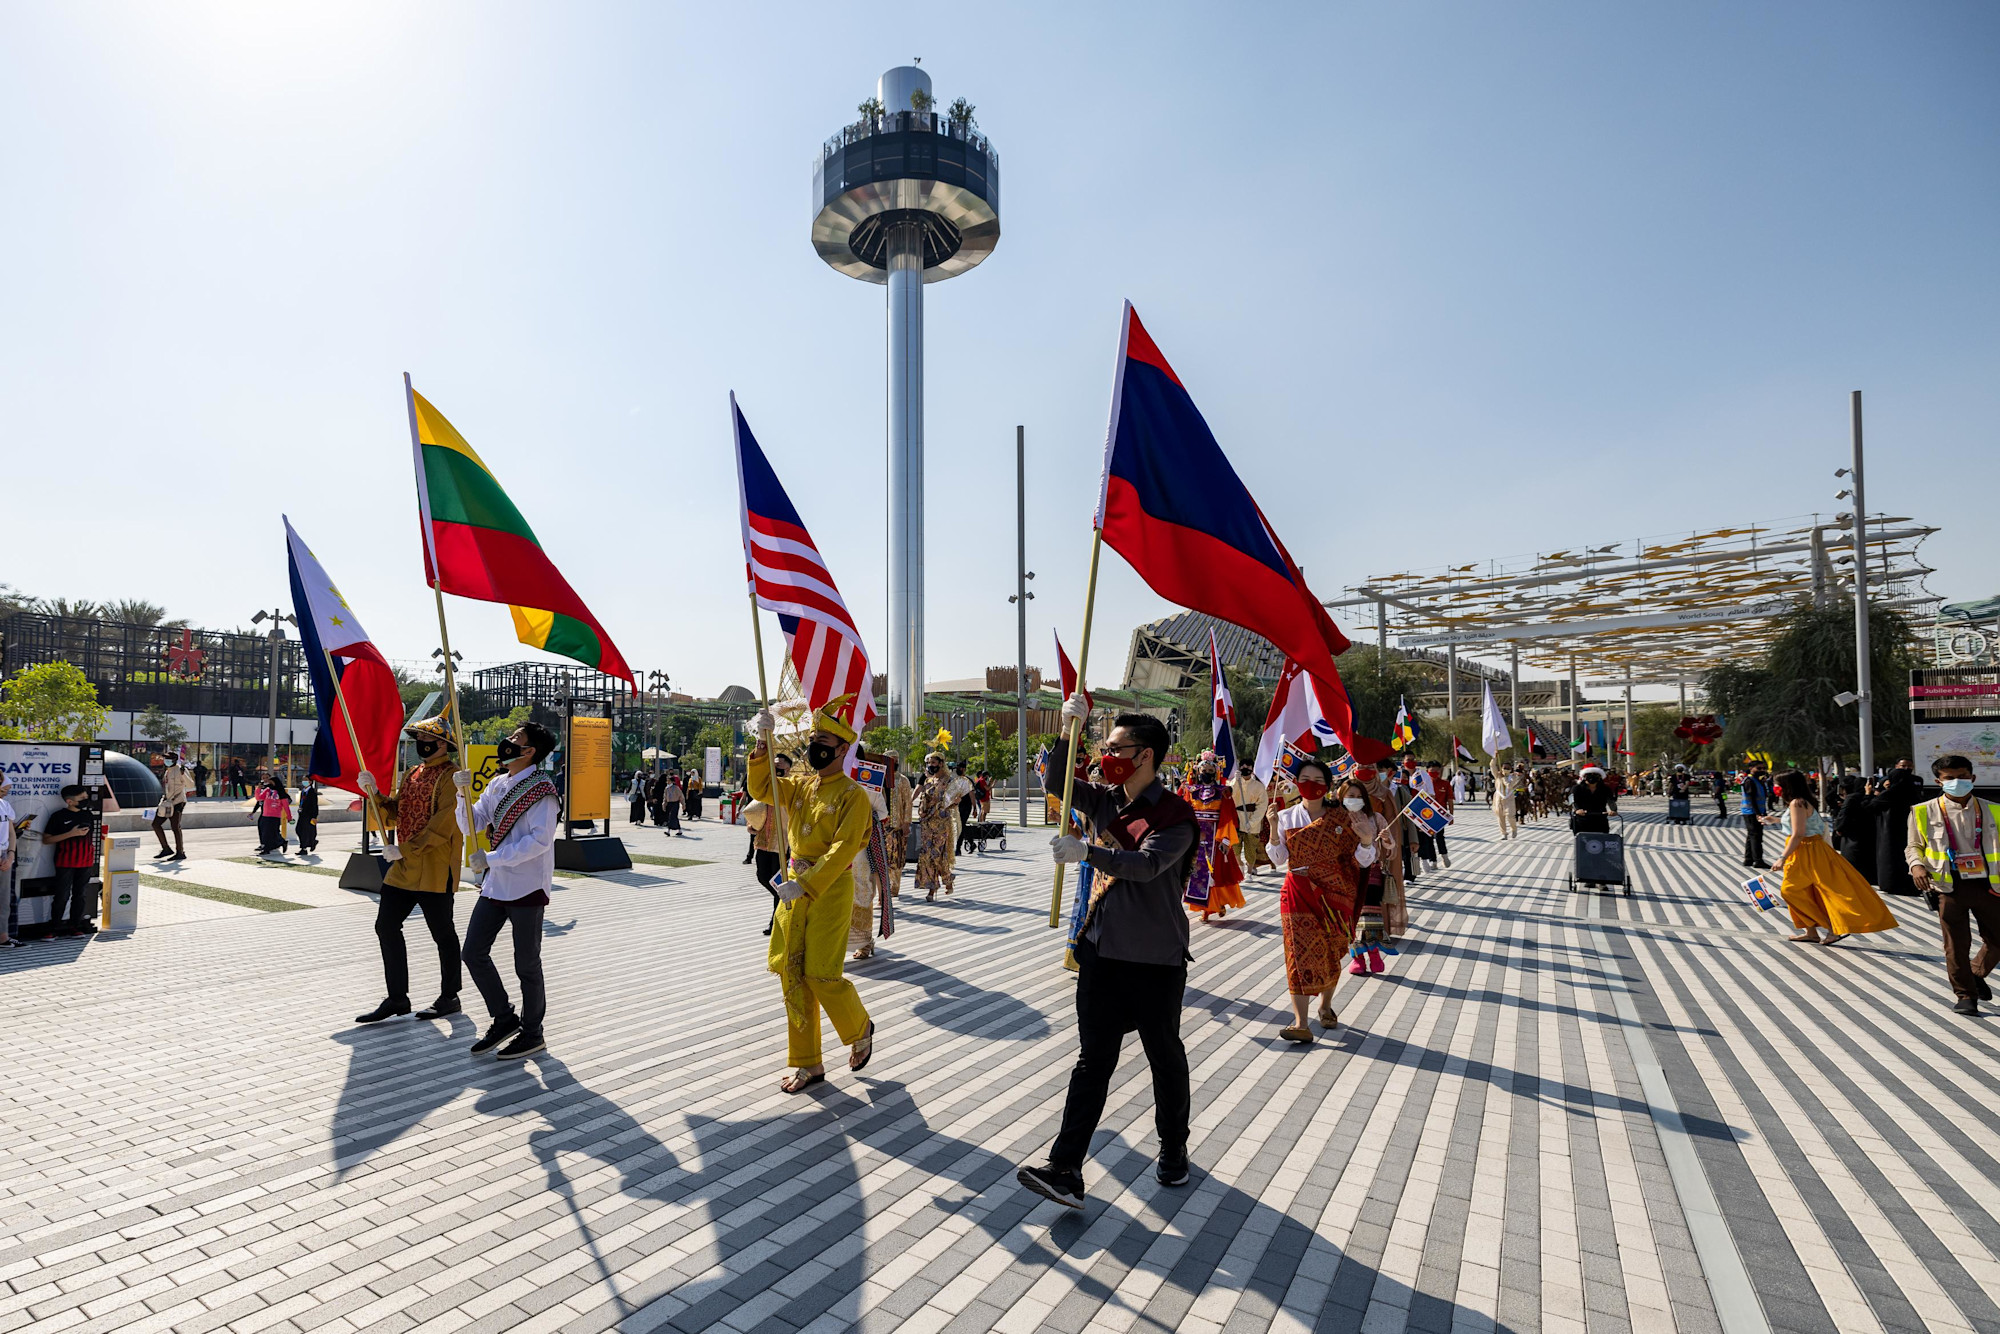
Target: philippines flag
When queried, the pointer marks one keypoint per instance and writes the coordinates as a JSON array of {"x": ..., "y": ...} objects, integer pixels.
[
  {"x": 788, "y": 577},
  {"x": 336, "y": 647},
  {"x": 1066, "y": 673},
  {"x": 1171, "y": 505},
  {"x": 1296, "y": 713},
  {"x": 1225, "y": 713}
]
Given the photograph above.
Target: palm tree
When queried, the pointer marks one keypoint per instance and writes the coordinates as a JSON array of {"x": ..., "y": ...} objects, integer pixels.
[
  {"x": 63, "y": 609},
  {"x": 138, "y": 611}
]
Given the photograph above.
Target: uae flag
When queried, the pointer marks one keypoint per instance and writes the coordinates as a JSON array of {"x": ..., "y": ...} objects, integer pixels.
[{"x": 477, "y": 545}]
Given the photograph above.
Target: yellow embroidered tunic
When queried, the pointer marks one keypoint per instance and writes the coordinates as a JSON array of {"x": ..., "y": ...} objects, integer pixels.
[{"x": 827, "y": 820}]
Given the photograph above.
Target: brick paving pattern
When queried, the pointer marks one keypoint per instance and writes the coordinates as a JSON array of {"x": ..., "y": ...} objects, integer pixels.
[{"x": 1558, "y": 1111}]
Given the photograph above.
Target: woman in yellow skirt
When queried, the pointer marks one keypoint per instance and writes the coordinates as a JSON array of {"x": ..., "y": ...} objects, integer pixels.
[{"x": 1824, "y": 893}]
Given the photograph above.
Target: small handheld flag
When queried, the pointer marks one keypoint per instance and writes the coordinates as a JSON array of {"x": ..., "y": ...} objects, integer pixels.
[
  {"x": 1424, "y": 812},
  {"x": 872, "y": 774},
  {"x": 1458, "y": 749},
  {"x": 1290, "y": 759},
  {"x": 1342, "y": 767},
  {"x": 1763, "y": 892},
  {"x": 1405, "y": 733}
]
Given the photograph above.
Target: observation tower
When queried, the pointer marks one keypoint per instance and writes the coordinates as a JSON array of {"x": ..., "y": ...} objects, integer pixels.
[{"x": 909, "y": 194}]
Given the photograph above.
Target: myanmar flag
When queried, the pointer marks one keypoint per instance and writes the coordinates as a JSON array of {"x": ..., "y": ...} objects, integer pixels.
[{"x": 477, "y": 545}]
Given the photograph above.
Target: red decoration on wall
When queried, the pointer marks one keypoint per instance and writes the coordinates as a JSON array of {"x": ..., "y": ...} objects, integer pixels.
[{"x": 184, "y": 659}]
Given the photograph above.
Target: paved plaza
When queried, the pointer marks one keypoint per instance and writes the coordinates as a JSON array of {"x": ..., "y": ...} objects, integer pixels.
[{"x": 1557, "y": 1112}]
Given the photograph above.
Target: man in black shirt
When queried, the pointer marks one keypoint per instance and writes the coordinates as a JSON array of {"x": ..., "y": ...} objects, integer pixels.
[
  {"x": 1590, "y": 802},
  {"x": 1132, "y": 952},
  {"x": 67, "y": 831}
]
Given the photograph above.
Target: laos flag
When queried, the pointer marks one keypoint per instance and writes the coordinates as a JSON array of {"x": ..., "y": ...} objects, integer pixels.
[{"x": 1175, "y": 509}]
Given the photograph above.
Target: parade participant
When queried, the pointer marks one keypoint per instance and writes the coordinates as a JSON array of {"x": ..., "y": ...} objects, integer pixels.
[
  {"x": 1400, "y": 789},
  {"x": 872, "y": 909},
  {"x": 896, "y": 831},
  {"x": 765, "y": 825},
  {"x": 1321, "y": 856},
  {"x": 1395, "y": 905},
  {"x": 1953, "y": 852},
  {"x": 1253, "y": 800},
  {"x": 1506, "y": 786},
  {"x": 826, "y": 820},
  {"x": 174, "y": 788},
  {"x": 936, "y": 807},
  {"x": 1374, "y": 922},
  {"x": 1822, "y": 890},
  {"x": 1756, "y": 804},
  {"x": 423, "y": 871},
  {"x": 1085, "y": 875},
  {"x": 1521, "y": 794},
  {"x": 1216, "y": 883},
  {"x": 517, "y": 814},
  {"x": 1592, "y": 804},
  {"x": 1132, "y": 953}
]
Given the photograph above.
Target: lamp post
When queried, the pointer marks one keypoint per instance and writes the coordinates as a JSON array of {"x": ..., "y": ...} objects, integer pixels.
[
  {"x": 1022, "y": 574},
  {"x": 656, "y": 684},
  {"x": 1864, "y": 700},
  {"x": 276, "y": 635}
]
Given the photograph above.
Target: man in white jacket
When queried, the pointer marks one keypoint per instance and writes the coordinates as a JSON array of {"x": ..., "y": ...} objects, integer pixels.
[{"x": 517, "y": 813}]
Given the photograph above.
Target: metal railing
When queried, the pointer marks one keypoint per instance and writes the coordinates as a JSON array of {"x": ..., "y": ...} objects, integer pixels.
[{"x": 901, "y": 122}]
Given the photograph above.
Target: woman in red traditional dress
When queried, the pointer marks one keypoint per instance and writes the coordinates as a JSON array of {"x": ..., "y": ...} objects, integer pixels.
[{"x": 1316, "y": 848}]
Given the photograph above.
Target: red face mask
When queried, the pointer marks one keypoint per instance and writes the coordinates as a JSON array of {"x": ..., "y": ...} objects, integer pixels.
[
  {"x": 1311, "y": 790},
  {"x": 1117, "y": 768}
]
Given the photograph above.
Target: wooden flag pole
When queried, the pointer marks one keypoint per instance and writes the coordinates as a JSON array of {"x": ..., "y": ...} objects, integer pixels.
[
  {"x": 437, "y": 589},
  {"x": 770, "y": 746},
  {"x": 1075, "y": 729}
]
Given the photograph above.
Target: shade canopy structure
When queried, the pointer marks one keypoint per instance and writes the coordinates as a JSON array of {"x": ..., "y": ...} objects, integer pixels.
[{"x": 1664, "y": 608}]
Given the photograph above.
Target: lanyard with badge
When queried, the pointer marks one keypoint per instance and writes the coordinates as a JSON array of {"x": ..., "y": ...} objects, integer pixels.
[{"x": 1969, "y": 865}]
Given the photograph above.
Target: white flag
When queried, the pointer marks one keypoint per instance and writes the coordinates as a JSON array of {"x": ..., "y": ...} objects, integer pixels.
[{"x": 1493, "y": 734}]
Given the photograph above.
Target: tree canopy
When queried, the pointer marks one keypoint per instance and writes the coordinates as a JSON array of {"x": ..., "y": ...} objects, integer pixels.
[
  {"x": 1784, "y": 704},
  {"x": 51, "y": 701}
]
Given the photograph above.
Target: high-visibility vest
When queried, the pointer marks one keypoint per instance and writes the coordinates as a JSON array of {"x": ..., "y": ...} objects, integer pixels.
[{"x": 1939, "y": 859}]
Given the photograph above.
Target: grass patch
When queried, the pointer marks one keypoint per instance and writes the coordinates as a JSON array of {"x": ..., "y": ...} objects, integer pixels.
[
  {"x": 285, "y": 866},
  {"x": 649, "y": 859},
  {"x": 256, "y": 901}
]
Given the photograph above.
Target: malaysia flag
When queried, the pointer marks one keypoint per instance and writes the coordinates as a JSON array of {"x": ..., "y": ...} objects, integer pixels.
[
  {"x": 1174, "y": 508},
  {"x": 788, "y": 577},
  {"x": 337, "y": 648}
]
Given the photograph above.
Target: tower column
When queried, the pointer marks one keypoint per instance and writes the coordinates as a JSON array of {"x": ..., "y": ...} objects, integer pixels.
[{"x": 906, "y": 473}]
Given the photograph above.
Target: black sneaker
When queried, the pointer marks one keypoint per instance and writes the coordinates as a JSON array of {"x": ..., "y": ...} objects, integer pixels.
[
  {"x": 1981, "y": 989},
  {"x": 1053, "y": 1183},
  {"x": 163, "y": 852},
  {"x": 523, "y": 1045},
  {"x": 388, "y": 1009},
  {"x": 496, "y": 1033},
  {"x": 439, "y": 1008},
  {"x": 1966, "y": 1005},
  {"x": 1172, "y": 1171}
]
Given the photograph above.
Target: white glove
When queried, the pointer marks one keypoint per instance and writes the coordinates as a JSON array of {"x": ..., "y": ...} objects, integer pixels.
[
  {"x": 1365, "y": 855},
  {"x": 787, "y": 890},
  {"x": 1075, "y": 709},
  {"x": 391, "y": 853},
  {"x": 478, "y": 860},
  {"x": 462, "y": 779},
  {"x": 1068, "y": 848},
  {"x": 765, "y": 722},
  {"x": 366, "y": 782}
]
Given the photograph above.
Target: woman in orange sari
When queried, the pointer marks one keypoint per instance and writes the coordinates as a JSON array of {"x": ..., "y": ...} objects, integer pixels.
[
  {"x": 1822, "y": 890},
  {"x": 1215, "y": 886},
  {"x": 1315, "y": 847}
]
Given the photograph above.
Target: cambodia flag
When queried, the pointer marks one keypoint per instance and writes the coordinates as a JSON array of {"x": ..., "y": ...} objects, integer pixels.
[{"x": 1175, "y": 509}]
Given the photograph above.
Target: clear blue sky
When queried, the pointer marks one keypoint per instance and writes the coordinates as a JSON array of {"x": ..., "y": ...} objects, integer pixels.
[{"x": 1608, "y": 270}]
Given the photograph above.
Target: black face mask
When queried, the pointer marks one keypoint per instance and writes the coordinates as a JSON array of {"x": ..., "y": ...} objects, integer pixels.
[
  {"x": 819, "y": 755},
  {"x": 933, "y": 769},
  {"x": 427, "y": 748},
  {"x": 510, "y": 750}
]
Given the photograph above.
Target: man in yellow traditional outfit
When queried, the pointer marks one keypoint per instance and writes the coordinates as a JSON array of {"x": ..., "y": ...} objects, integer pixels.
[
  {"x": 424, "y": 869},
  {"x": 826, "y": 819}
]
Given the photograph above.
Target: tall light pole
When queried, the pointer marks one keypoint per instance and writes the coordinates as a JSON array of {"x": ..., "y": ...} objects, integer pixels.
[
  {"x": 277, "y": 618},
  {"x": 1022, "y": 574},
  {"x": 656, "y": 684},
  {"x": 1864, "y": 698}
]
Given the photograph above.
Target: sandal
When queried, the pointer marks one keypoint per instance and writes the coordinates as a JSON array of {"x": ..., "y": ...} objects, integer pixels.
[
  {"x": 1302, "y": 1036},
  {"x": 799, "y": 1081},
  {"x": 1832, "y": 939},
  {"x": 1805, "y": 938},
  {"x": 859, "y": 1063},
  {"x": 1327, "y": 1018}
]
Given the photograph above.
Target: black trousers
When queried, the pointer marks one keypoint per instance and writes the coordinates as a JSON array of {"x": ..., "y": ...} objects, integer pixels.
[
  {"x": 525, "y": 916},
  {"x": 1753, "y": 841},
  {"x": 1966, "y": 903},
  {"x": 672, "y": 810},
  {"x": 389, "y": 915},
  {"x": 71, "y": 904},
  {"x": 1113, "y": 998},
  {"x": 768, "y": 864}
]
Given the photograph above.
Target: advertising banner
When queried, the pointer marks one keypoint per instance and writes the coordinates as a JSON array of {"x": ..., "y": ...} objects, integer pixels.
[
  {"x": 589, "y": 796},
  {"x": 712, "y": 765}
]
